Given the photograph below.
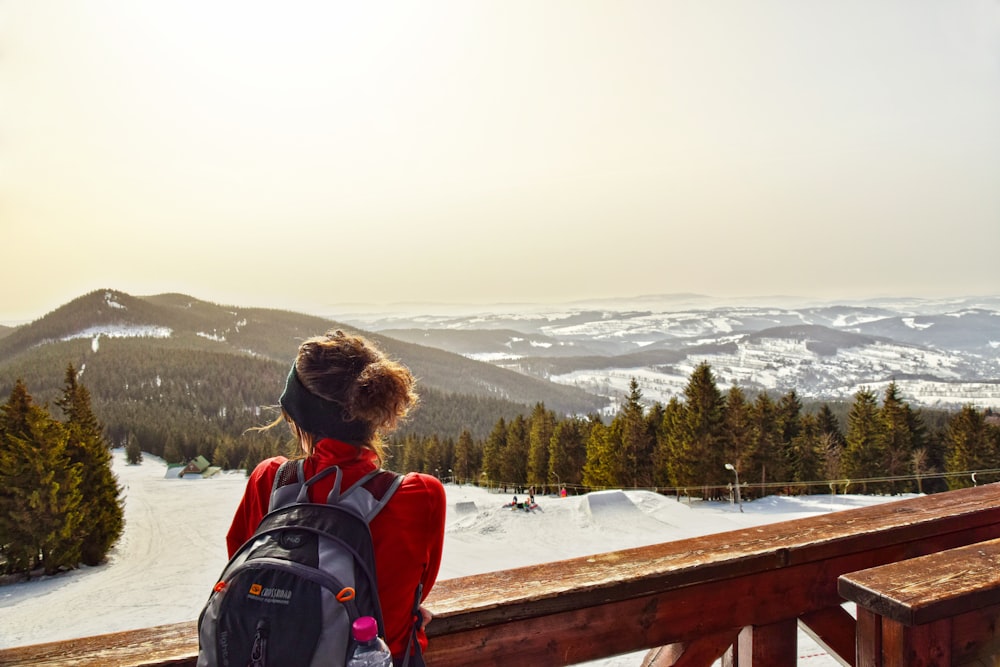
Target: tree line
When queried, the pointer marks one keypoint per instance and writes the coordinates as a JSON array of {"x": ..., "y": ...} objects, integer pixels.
[
  {"x": 60, "y": 502},
  {"x": 61, "y": 505},
  {"x": 179, "y": 401},
  {"x": 772, "y": 445}
]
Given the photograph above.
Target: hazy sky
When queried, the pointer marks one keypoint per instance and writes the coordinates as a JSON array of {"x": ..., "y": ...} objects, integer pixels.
[{"x": 310, "y": 154}]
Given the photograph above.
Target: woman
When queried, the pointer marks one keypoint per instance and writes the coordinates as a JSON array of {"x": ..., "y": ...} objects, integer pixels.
[{"x": 341, "y": 396}]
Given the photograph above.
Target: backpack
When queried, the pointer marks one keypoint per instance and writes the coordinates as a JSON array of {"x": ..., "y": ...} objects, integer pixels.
[{"x": 288, "y": 596}]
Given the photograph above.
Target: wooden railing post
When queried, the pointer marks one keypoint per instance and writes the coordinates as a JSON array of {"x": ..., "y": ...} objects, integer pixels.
[
  {"x": 937, "y": 610},
  {"x": 834, "y": 630},
  {"x": 773, "y": 645}
]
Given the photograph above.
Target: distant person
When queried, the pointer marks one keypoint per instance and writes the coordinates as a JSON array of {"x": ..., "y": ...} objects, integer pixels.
[
  {"x": 341, "y": 395},
  {"x": 562, "y": 492}
]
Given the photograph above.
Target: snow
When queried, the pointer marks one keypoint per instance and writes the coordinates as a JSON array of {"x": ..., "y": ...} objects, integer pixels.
[
  {"x": 913, "y": 324},
  {"x": 173, "y": 548},
  {"x": 773, "y": 363},
  {"x": 122, "y": 331},
  {"x": 109, "y": 298},
  {"x": 492, "y": 356}
]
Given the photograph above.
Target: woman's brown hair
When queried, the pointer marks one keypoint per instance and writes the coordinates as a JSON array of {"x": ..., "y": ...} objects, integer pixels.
[{"x": 373, "y": 393}]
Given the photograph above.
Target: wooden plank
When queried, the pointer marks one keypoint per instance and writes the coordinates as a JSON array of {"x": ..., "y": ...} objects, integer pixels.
[
  {"x": 668, "y": 617},
  {"x": 700, "y": 653},
  {"x": 927, "y": 645},
  {"x": 175, "y": 645},
  {"x": 553, "y": 587},
  {"x": 584, "y": 633},
  {"x": 869, "y": 645},
  {"x": 773, "y": 645},
  {"x": 676, "y": 592},
  {"x": 976, "y": 636},
  {"x": 926, "y": 589},
  {"x": 834, "y": 630}
]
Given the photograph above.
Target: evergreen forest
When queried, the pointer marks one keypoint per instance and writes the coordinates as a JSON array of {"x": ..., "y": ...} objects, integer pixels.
[
  {"x": 701, "y": 442},
  {"x": 60, "y": 502}
]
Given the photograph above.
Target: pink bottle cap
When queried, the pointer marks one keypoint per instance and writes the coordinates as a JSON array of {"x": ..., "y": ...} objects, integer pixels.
[{"x": 364, "y": 629}]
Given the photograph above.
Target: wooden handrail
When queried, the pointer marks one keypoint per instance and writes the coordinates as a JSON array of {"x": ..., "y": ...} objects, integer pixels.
[
  {"x": 939, "y": 609},
  {"x": 745, "y": 589}
]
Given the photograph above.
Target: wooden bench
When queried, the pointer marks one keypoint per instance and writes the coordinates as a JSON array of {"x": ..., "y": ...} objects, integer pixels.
[
  {"x": 938, "y": 610},
  {"x": 742, "y": 593}
]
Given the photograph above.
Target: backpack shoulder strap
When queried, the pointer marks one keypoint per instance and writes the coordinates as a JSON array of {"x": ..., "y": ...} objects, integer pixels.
[
  {"x": 371, "y": 493},
  {"x": 287, "y": 482},
  {"x": 291, "y": 486},
  {"x": 366, "y": 497}
]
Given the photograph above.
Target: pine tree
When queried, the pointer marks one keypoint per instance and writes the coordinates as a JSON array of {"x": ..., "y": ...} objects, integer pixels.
[
  {"x": 133, "y": 452},
  {"x": 599, "y": 470},
  {"x": 764, "y": 438},
  {"x": 448, "y": 459},
  {"x": 635, "y": 440},
  {"x": 831, "y": 444},
  {"x": 654, "y": 423},
  {"x": 969, "y": 446},
  {"x": 702, "y": 426},
  {"x": 828, "y": 424},
  {"x": 432, "y": 456},
  {"x": 805, "y": 450},
  {"x": 903, "y": 433},
  {"x": 736, "y": 428},
  {"x": 541, "y": 426},
  {"x": 788, "y": 416},
  {"x": 102, "y": 507},
  {"x": 172, "y": 450},
  {"x": 568, "y": 450},
  {"x": 674, "y": 451},
  {"x": 463, "y": 465},
  {"x": 514, "y": 465},
  {"x": 413, "y": 454},
  {"x": 864, "y": 455},
  {"x": 493, "y": 452},
  {"x": 40, "y": 499}
]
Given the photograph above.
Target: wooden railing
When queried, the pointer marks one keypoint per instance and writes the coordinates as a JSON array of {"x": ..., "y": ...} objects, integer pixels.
[
  {"x": 940, "y": 609},
  {"x": 738, "y": 595}
]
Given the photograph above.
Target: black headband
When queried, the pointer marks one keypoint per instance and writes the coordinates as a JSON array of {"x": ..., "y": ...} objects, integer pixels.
[{"x": 318, "y": 416}]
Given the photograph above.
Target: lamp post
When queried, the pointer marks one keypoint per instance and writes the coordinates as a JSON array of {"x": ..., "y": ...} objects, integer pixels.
[{"x": 729, "y": 466}]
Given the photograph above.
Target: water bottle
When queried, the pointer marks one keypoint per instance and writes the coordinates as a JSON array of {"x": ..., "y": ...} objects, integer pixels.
[{"x": 369, "y": 649}]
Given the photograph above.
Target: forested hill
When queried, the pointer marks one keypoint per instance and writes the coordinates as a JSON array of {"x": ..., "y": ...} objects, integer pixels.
[{"x": 200, "y": 367}]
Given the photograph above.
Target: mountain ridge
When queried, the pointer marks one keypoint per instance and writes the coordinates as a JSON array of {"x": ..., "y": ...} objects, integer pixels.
[
  {"x": 174, "y": 353},
  {"x": 943, "y": 350}
]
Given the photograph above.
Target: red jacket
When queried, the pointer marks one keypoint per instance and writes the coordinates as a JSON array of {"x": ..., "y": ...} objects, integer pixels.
[{"x": 408, "y": 533}]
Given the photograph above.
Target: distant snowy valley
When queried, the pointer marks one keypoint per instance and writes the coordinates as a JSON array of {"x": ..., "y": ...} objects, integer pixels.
[{"x": 940, "y": 353}]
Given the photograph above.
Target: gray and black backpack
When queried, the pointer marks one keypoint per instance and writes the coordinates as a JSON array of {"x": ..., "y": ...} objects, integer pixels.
[{"x": 288, "y": 596}]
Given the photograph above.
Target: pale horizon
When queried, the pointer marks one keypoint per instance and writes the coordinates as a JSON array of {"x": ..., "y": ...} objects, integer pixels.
[{"x": 320, "y": 154}]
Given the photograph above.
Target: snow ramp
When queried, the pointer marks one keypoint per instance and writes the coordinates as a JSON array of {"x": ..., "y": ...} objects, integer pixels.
[
  {"x": 614, "y": 511},
  {"x": 465, "y": 507},
  {"x": 657, "y": 517}
]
